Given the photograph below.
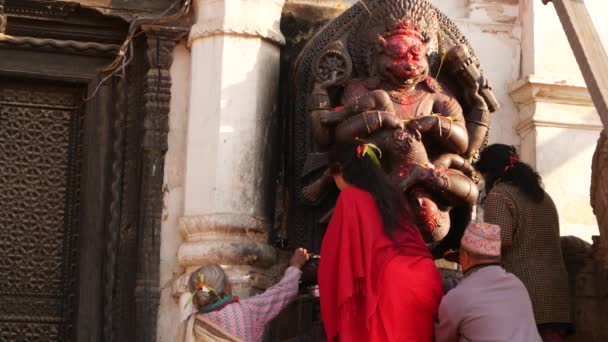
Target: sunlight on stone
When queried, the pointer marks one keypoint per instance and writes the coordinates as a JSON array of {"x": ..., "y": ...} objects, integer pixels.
[{"x": 226, "y": 129}]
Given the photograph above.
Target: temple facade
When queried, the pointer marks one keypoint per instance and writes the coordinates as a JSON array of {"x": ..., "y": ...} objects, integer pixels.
[
  {"x": 227, "y": 93},
  {"x": 173, "y": 161}
]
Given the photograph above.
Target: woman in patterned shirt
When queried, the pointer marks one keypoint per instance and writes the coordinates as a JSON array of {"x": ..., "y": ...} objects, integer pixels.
[
  {"x": 530, "y": 236},
  {"x": 222, "y": 317}
]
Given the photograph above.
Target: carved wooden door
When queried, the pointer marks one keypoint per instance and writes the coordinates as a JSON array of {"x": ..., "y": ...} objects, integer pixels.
[
  {"x": 299, "y": 322},
  {"x": 40, "y": 164}
]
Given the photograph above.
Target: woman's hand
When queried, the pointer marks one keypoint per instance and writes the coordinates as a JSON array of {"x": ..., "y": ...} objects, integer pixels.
[{"x": 299, "y": 258}]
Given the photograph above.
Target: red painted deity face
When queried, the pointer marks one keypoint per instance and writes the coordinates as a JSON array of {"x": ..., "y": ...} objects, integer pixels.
[{"x": 403, "y": 61}]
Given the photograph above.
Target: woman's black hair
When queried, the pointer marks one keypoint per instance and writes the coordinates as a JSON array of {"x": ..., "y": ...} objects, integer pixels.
[
  {"x": 499, "y": 162},
  {"x": 365, "y": 174}
]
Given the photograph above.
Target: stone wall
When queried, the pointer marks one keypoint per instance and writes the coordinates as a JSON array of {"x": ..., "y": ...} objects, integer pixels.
[
  {"x": 173, "y": 193},
  {"x": 218, "y": 179},
  {"x": 547, "y": 112},
  {"x": 494, "y": 30},
  {"x": 558, "y": 124},
  {"x": 588, "y": 289}
]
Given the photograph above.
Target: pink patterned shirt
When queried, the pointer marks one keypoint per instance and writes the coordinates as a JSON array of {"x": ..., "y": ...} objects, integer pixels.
[{"x": 248, "y": 318}]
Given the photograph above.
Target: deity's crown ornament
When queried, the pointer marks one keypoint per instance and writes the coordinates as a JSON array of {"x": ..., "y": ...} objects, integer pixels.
[
  {"x": 386, "y": 19},
  {"x": 408, "y": 28}
]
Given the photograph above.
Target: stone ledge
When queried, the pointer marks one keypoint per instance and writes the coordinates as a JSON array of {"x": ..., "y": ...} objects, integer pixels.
[
  {"x": 536, "y": 88},
  {"x": 549, "y": 102},
  {"x": 236, "y": 27},
  {"x": 225, "y": 238},
  {"x": 252, "y": 18},
  {"x": 226, "y": 251},
  {"x": 531, "y": 123},
  {"x": 236, "y": 241},
  {"x": 217, "y": 225}
]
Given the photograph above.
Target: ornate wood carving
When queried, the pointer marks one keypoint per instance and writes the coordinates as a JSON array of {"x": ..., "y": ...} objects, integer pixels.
[
  {"x": 125, "y": 139},
  {"x": 40, "y": 168},
  {"x": 62, "y": 20},
  {"x": 114, "y": 226},
  {"x": 126, "y": 247},
  {"x": 157, "y": 95},
  {"x": 63, "y": 46},
  {"x": 32, "y": 8},
  {"x": 138, "y": 148}
]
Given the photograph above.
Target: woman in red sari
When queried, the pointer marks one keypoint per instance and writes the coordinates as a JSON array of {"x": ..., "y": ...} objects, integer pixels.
[{"x": 377, "y": 279}]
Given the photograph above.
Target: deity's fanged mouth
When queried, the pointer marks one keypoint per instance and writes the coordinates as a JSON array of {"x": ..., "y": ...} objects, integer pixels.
[
  {"x": 410, "y": 77},
  {"x": 409, "y": 73},
  {"x": 406, "y": 73}
]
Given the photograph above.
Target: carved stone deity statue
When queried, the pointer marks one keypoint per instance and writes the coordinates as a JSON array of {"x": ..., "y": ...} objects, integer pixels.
[{"x": 399, "y": 74}]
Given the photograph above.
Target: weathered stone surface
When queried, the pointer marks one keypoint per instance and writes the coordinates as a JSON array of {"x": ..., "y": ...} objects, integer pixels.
[
  {"x": 226, "y": 239},
  {"x": 221, "y": 191},
  {"x": 257, "y": 19},
  {"x": 588, "y": 283}
]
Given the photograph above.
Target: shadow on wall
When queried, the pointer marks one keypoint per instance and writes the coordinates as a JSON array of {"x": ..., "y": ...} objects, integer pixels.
[
  {"x": 567, "y": 145},
  {"x": 563, "y": 159}
]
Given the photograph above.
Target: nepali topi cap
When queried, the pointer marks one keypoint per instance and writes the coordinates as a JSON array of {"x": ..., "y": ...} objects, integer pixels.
[{"x": 482, "y": 238}]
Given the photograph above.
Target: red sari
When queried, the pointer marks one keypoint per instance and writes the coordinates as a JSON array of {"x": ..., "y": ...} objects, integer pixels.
[{"x": 374, "y": 288}]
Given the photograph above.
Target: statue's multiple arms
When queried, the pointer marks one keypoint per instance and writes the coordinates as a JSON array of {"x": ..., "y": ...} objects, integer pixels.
[
  {"x": 318, "y": 105},
  {"x": 447, "y": 127},
  {"x": 365, "y": 124},
  {"x": 478, "y": 94},
  {"x": 363, "y": 116},
  {"x": 478, "y": 119}
]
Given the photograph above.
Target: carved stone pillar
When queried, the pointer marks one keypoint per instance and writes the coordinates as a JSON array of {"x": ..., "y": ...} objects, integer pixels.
[
  {"x": 235, "y": 48},
  {"x": 157, "y": 93}
]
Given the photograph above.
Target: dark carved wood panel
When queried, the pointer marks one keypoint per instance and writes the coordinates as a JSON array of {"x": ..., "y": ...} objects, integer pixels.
[
  {"x": 299, "y": 322},
  {"x": 40, "y": 162},
  {"x": 124, "y": 139}
]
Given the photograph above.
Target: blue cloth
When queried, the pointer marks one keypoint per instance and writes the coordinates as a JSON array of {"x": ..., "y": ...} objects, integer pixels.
[{"x": 219, "y": 304}]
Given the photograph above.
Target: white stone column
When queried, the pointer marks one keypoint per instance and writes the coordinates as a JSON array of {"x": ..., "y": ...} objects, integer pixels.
[
  {"x": 235, "y": 46},
  {"x": 559, "y": 127},
  {"x": 557, "y": 124}
]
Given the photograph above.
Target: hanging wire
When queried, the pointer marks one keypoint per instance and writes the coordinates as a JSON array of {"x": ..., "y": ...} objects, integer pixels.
[
  {"x": 125, "y": 53},
  {"x": 121, "y": 70}
]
